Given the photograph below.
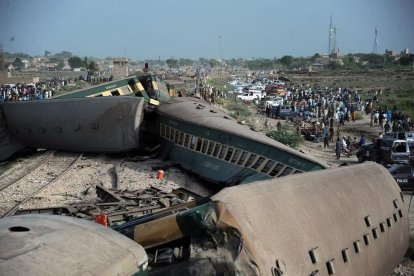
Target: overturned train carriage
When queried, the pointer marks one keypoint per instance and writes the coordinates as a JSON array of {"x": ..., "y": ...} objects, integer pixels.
[
  {"x": 207, "y": 141},
  {"x": 104, "y": 124},
  {"x": 342, "y": 221}
]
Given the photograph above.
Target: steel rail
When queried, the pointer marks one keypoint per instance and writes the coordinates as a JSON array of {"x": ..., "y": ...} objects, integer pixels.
[{"x": 15, "y": 207}]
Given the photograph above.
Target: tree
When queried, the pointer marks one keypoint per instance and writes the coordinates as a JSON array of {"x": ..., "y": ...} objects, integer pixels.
[
  {"x": 287, "y": 60},
  {"x": 315, "y": 57},
  {"x": 60, "y": 64},
  {"x": 406, "y": 60},
  {"x": 18, "y": 64},
  {"x": 2, "y": 67},
  {"x": 214, "y": 62},
  {"x": 92, "y": 67},
  {"x": 333, "y": 65},
  {"x": 172, "y": 63},
  {"x": 63, "y": 54},
  {"x": 75, "y": 62},
  {"x": 185, "y": 62}
]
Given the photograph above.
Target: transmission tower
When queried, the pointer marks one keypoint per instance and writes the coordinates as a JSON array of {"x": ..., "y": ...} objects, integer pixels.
[
  {"x": 220, "y": 48},
  {"x": 376, "y": 41},
  {"x": 330, "y": 37}
]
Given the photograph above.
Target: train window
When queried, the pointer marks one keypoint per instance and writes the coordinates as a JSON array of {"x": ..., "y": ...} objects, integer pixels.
[
  {"x": 115, "y": 92},
  {"x": 216, "y": 150},
  {"x": 345, "y": 255},
  {"x": 251, "y": 159},
  {"x": 236, "y": 156},
  {"x": 356, "y": 246},
  {"x": 330, "y": 267},
  {"x": 199, "y": 142},
  {"x": 258, "y": 162},
  {"x": 268, "y": 166},
  {"x": 382, "y": 227},
  {"x": 242, "y": 158},
  {"x": 204, "y": 146},
  {"x": 395, "y": 217},
  {"x": 162, "y": 130},
  {"x": 181, "y": 140},
  {"x": 172, "y": 134},
  {"x": 375, "y": 232},
  {"x": 276, "y": 169},
  {"x": 366, "y": 239},
  {"x": 296, "y": 172},
  {"x": 229, "y": 154},
  {"x": 187, "y": 140},
  {"x": 167, "y": 133},
  {"x": 389, "y": 222},
  {"x": 210, "y": 147},
  {"x": 193, "y": 142},
  {"x": 286, "y": 171},
  {"x": 177, "y": 136},
  {"x": 222, "y": 152}
]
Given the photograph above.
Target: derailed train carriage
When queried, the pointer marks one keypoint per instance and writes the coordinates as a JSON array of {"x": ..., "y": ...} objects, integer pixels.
[
  {"x": 343, "y": 221},
  {"x": 208, "y": 142},
  {"x": 88, "y": 120}
]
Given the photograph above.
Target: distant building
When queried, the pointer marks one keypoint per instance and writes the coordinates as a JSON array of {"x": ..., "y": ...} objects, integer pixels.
[
  {"x": 405, "y": 52},
  {"x": 120, "y": 68},
  {"x": 391, "y": 53}
]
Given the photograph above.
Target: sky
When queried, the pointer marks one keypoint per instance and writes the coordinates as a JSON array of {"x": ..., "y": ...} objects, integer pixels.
[{"x": 203, "y": 28}]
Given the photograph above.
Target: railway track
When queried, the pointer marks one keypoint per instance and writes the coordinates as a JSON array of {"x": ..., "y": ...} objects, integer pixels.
[
  {"x": 47, "y": 172},
  {"x": 9, "y": 182}
]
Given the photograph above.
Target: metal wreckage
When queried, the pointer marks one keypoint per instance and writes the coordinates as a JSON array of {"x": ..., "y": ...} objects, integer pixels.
[{"x": 281, "y": 212}]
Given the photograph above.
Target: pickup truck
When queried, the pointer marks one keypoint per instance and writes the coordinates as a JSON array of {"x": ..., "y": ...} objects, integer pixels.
[{"x": 250, "y": 96}]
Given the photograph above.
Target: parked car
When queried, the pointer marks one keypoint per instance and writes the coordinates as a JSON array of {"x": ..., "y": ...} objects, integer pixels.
[
  {"x": 366, "y": 152},
  {"x": 385, "y": 151},
  {"x": 403, "y": 175},
  {"x": 394, "y": 151}
]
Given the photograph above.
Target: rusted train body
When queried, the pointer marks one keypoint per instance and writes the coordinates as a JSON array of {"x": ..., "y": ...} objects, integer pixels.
[{"x": 344, "y": 221}]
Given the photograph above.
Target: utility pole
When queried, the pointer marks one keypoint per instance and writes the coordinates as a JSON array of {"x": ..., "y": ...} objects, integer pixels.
[
  {"x": 221, "y": 48},
  {"x": 330, "y": 35},
  {"x": 376, "y": 41}
]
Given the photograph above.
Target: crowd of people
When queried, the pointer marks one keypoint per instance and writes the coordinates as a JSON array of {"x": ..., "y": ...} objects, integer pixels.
[
  {"x": 332, "y": 108},
  {"x": 39, "y": 90}
]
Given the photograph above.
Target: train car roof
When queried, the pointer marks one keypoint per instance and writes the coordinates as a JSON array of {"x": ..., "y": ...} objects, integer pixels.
[
  {"x": 320, "y": 213},
  {"x": 200, "y": 113},
  {"x": 59, "y": 245}
]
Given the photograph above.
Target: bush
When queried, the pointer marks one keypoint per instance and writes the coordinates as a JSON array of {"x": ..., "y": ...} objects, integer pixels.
[
  {"x": 286, "y": 136},
  {"x": 238, "y": 110}
]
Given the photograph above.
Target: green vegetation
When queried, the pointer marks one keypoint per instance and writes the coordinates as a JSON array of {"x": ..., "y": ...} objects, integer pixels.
[
  {"x": 75, "y": 62},
  {"x": 403, "y": 100},
  {"x": 172, "y": 63},
  {"x": 219, "y": 83},
  {"x": 286, "y": 136},
  {"x": 18, "y": 64},
  {"x": 238, "y": 111}
]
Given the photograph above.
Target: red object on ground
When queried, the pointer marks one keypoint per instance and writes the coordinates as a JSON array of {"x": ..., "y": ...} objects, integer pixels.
[
  {"x": 160, "y": 174},
  {"x": 102, "y": 219}
]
